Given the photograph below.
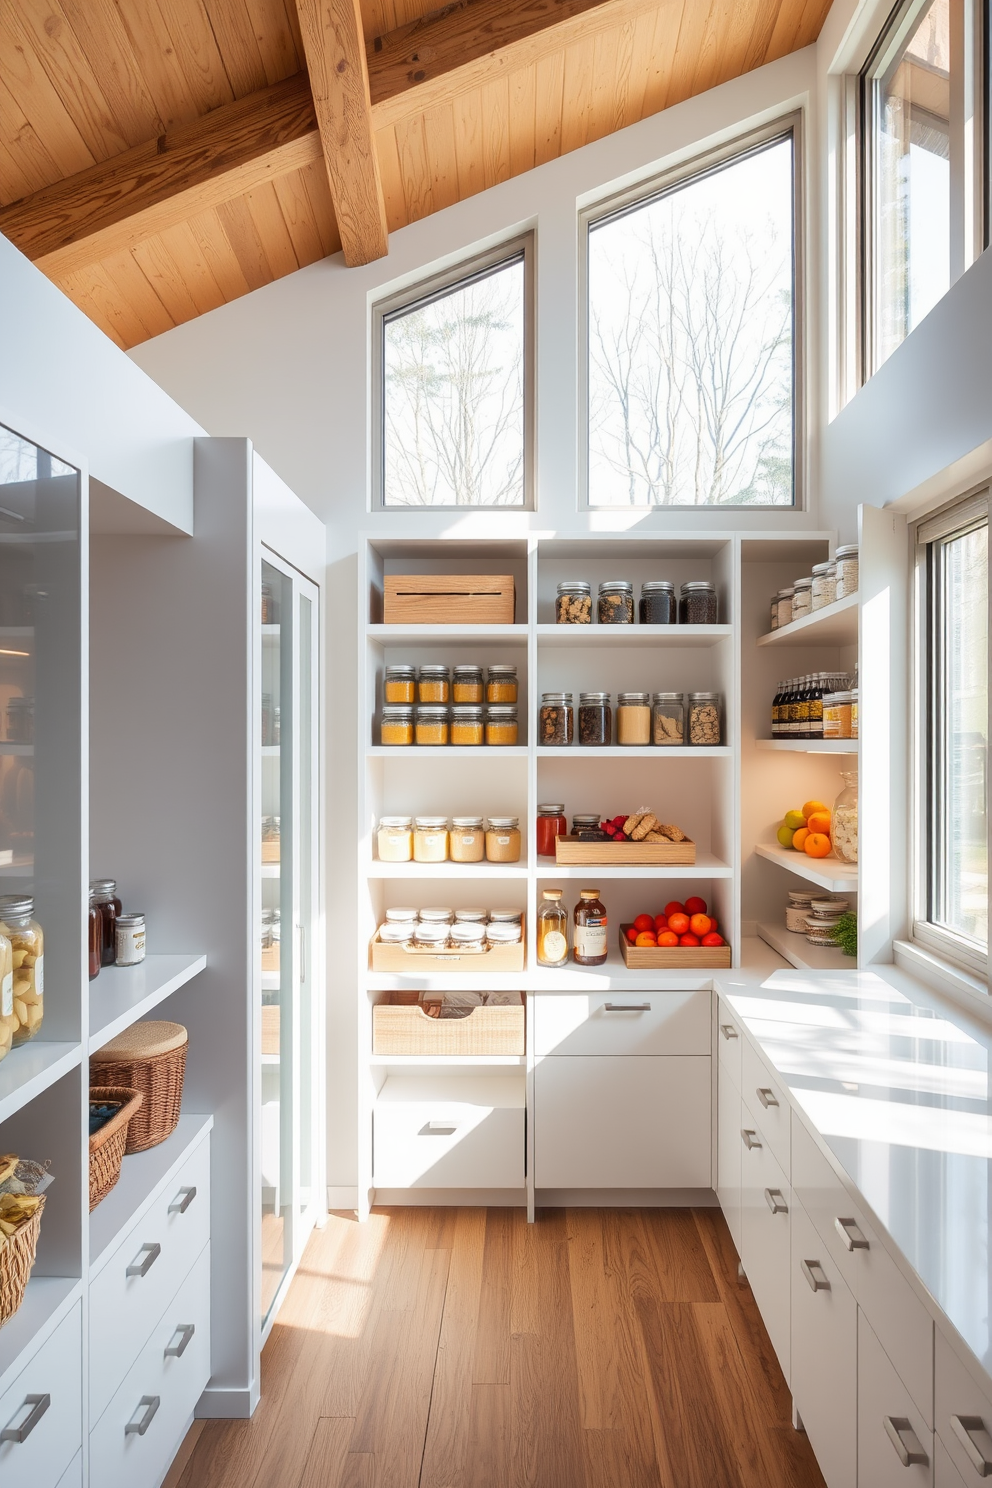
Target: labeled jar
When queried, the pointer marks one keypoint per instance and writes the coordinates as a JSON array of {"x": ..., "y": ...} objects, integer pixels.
[
  {"x": 501, "y": 684},
  {"x": 466, "y": 684},
  {"x": 466, "y": 725},
  {"x": 595, "y": 719},
  {"x": 503, "y": 932},
  {"x": 557, "y": 720},
  {"x": 103, "y": 891},
  {"x": 27, "y": 948},
  {"x": 846, "y": 562},
  {"x": 503, "y": 839},
  {"x": 668, "y": 719},
  {"x": 8, "y": 1020},
  {"x": 785, "y": 606},
  {"x": 400, "y": 685},
  {"x": 551, "y": 824},
  {"x": 397, "y": 725},
  {"x": 802, "y": 598},
  {"x": 394, "y": 839},
  {"x": 130, "y": 939},
  {"x": 467, "y": 935},
  {"x": 615, "y": 603},
  {"x": 94, "y": 940},
  {"x": 552, "y": 930},
  {"x": 633, "y": 718},
  {"x": 657, "y": 604},
  {"x": 430, "y": 839},
  {"x": 698, "y": 603},
  {"x": 434, "y": 684},
  {"x": 432, "y": 726},
  {"x": 589, "y": 936},
  {"x": 573, "y": 603},
  {"x": 20, "y": 720},
  {"x": 824, "y": 584},
  {"x": 501, "y": 726},
  {"x": 705, "y": 710},
  {"x": 431, "y": 937},
  {"x": 466, "y": 840}
]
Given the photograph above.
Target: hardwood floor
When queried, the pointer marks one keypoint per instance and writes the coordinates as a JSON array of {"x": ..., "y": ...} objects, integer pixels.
[{"x": 464, "y": 1348}]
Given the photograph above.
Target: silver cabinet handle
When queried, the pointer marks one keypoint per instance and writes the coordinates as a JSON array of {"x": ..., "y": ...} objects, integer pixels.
[
  {"x": 900, "y": 1432},
  {"x": 148, "y": 1405},
  {"x": 819, "y": 1283},
  {"x": 37, "y": 1406},
  {"x": 728, "y": 1030},
  {"x": 750, "y": 1139},
  {"x": 626, "y": 1007},
  {"x": 850, "y": 1233},
  {"x": 176, "y": 1350},
  {"x": 775, "y": 1199},
  {"x": 766, "y": 1096},
  {"x": 141, "y": 1267},
  {"x": 973, "y": 1435},
  {"x": 182, "y": 1201}
]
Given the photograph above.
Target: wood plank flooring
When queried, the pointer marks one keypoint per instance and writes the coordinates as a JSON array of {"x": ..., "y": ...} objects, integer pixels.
[{"x": 464, "y": 1348}]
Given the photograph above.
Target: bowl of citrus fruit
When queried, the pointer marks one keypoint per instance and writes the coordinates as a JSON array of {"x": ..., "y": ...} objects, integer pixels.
[
  {"x": 807, "y": 830},
  {"x": 684, "y": 933}
]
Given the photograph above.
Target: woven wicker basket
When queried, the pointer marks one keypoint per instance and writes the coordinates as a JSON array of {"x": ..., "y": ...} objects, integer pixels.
[
  {"x": 150, "y": 1057},
  {"x": 16, "y": 1261},
  {"x": 107, "y": 1145}
]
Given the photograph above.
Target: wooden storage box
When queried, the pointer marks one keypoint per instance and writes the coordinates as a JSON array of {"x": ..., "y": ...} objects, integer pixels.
[
  {"x": 270, "y": 1028},
  {"x": 448, "y": 599},
  {"x": 270, "y": 849},
  {"x": 484, "y": 1030},
  {"x": 662, "y": 958},
  {"x": 633, "y": 854},
  {"x": 414, "y": 962}
]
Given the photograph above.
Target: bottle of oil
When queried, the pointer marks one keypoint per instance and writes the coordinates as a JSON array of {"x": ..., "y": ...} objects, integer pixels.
[{"x": 552, "y": 930}]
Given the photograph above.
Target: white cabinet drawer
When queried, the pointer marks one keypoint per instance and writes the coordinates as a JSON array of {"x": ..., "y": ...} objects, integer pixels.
[
  {"x": 623, "y": 1122},
  {"x": 769, "y": 1105},
  {"x": 159, "y": 1393},
  {"x": 52, "y": 1432},
  {"x": 824, "y": 1354},
  {"x": 449, "y": 1132},
  {"x": 963, "y": 1411},
  {"x": 766, "y": 1200},
  {"x": 729, "y": 1151},
  {"x": 158, "y": 1251},
  {"x": 729, "y": 1041},
  {"x": 73, "y": 1475},
  {"x": 895, "y": 1444},
  {"x": 623, "y": 1023},
  {"x": 945, "y": 1474}
]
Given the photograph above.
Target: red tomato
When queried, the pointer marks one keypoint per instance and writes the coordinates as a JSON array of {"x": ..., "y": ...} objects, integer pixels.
[
  {"x": 674, "y": 908},
  {"x": 667, "y": 938},
  {"x": 644, "y": 922},
  {"x": 689, "y": 940},
  {"x": 700, "y": 924},
  {"x": 713, "y": 939},
  {"x": 695, "y": 905},
  {"x": 679, "y": 922},
  {"x": 660, "y": 922}
]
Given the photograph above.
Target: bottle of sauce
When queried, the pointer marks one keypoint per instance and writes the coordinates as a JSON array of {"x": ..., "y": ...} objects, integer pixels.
[
  {"x": 551, "y": 823},
  {"x": 104, "y": 892},
  {"x": 94, "y": 938},
  {"x": 552, "y": 930},
  {"x": 590, "y": 929}
]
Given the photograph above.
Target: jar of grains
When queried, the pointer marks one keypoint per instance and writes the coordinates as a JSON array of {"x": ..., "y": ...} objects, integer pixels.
[
  {"x": 704, "y": 717},
  {"x": 657, "y": 604},
  {"x": 402, "y": 914},
  {"x": 802, "y": 598},
  {"x": 27, "y": 945},
  {"x": 397, "y": 725},
  {"x": 468, "y": 936},
  {"x": 853, "y": 695},
  {"x": 824, "y": 584},
  {"x": 501, "y": 933},
  {"x": 501, "y": 726},
  {"x": 434, "y": 685},
  {"x": 615, "y": 603},
  {"x": 557, "y": 721},
  {"x": 698, "y": 603},
  {"x": 846, "y": 560},
  {"x": 471, "y": 916},
  {"x": 633, "y": 718},
  {"x": 785, "y": 607},
  {"x": 400, "y": 685},
  {"x": 430, "y": 839},
  {"x": 398, "y": 935},
  {"x": 501, "y": 684},
  {"x": 844, "y": 822},
  {"x": 394, "y": 839},
  {"x": 430, "y": 937},
  {"x": 466, "y": 684},
  {"x": 820, "y": 929},
  {"x": 551, "y": 824},
  {"x": 466, "y": 725},
  {"x": 506, "y": 916},
  {"x": 573, "y": 603},
  {"x": 797, "y": 911},
  {"x": 466, "y": 840},
  {"x": 503, "y": 839},
  {"x": 668, "y": 718},
  {"x": 595, "y": 719},
  {"x": 432, "y": 725}
]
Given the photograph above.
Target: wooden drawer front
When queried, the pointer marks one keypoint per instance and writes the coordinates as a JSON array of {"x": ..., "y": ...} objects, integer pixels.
[
  {"x": 443, "y": 1143},
  {"x": 729, "y": 1040},
  {"x": 623, "y": 1122},
  {"x": 898, "y": 1317},
  {"x": 769, "y": 1104},
  {"x": 729, "y": 1150},
  {"x": 766, "y": 1200},
  {"x": 123, "y": 1308},
  {"x": 824, "y": 1355},
  {"x": 960, "y": 1404},
  {"x": 56, "y": 1435},
  {"x": 945, "y": 1474},
  {"x": 120, "y": 1458},
  {"x": 73, "y": 1475},
  {"x": 895, "y": 1444},
  {"x": 623, "y": 1023}
]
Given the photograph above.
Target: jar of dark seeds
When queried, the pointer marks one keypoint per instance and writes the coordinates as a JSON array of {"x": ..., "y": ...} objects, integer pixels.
[
  {"x": 586, "y": 827},
  {"x": 595, "y": 719},
  {"x": 667, "y": 718},
  {"x": 698, "y": 603},
  {"x": 657, "y": 604},
  {"x": 557, "y": 724},
  {"x": 573, "y": 605},
  {"x": 615, "y": 605},
  {"x": 704, "y": 717}
]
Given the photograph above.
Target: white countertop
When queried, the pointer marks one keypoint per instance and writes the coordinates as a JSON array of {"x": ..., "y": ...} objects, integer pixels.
[{"x": 896, "y": 1083}]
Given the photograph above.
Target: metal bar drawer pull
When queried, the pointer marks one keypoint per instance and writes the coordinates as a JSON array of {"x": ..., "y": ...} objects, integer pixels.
[
  {"x": 182, "y": 1201},
  {"x": 850, "y": 1233},
  {"x": 766, "y": 1096},
  {"x": 626, "y": 1007},
  {"x": 145, "y": 1259},
  {"x": 728, "y": 1030},
  {"x": 440, "y": 1128},
  {"x": 176, "y": 1350},
  {"x": 147, "y": 1405},
  {"x": 817, "y": 1282},
  {"x": 775, "y": 1199},
  {"x": 750, "y": 1139},
  {"x": 36, "y": 1406},
  {"x": 973, "y": 1434},
  {"x": 905, "y": 1440}
]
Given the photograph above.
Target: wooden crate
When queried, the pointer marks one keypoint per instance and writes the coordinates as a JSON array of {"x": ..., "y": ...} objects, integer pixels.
[
  {"x": 484, "y": 1030},
  {"x": 661, "y": 958},
  {"x": 270, "y": 957},
  {"x": 633, "y": 854},
  {"x": 270, "y": 850},
  {"x": 414, "y": 962},
  {"x": 448, "y": 599},
  {"x": 270, "y": 1028}
]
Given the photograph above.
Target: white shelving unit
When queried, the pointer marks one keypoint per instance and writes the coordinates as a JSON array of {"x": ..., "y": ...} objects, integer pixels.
[
  {"x": 834, "y": 625},
  {"x": 808, "y": 746},
  {"x": 799, "y": 953},
  {"x": 826, "y": 873}
]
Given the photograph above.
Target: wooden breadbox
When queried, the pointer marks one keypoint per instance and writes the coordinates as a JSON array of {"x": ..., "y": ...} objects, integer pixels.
[{"x": 448, "y": 599}]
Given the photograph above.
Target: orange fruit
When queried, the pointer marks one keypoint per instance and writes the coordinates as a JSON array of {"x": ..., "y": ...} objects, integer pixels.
[
  {"x": 668, "y": 938},
  {"x": 700, "y": 924},
  {"x": 645, "y": 938},
  {"x": 679, "y": 923},
  {"x": 819, "y": 822},
  {"x": 817, "y": 845},
  {"x": 799, "y": 838},
  {"x": 810, "y": 808}
]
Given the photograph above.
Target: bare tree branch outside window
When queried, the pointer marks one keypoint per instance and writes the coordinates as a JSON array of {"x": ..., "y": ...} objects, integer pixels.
[{"x": 691, "y": 342}]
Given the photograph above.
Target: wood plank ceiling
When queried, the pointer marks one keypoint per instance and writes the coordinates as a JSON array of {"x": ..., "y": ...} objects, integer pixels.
[{"x": 161, "y": 157}]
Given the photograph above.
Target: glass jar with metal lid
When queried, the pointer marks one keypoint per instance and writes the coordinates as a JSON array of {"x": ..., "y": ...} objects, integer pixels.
[
  {"x": 501, "y": 726},
  {"x": 705, "y": 718},
  {"x": 846, "y": 560},
  {"x": 615, "y": 603},
  {"x": 595, "y": 719},
  {"x": 466, "y": 840},
  {"x": 429, "y": 936},
  {"x": 430, "y": 839},
  {"x": 506, "y": 916},
  {"x": 501, "y": 684},
  {"x": 802, "y": 598},
  {"x": 397, "y": 725},
  {"x": 130, "y": 939},
  {"x": 471, "y": 916},
  {"x": 503, "y": 839},
  {"x": 557, "y": 720},
  {"x": 586, "y": 822},
  {"x": 103, "y": 892},
  {"x": 402, "y": 915},
  {"x": 785, "y": 606},
  {"x": 551, "y": 824},
  {"x": 467, "y": 727},
  {"x": 466, "y": 684},
  {"x": 437, "y": 914},
  {"x": 394, "y": 839},
  {"x": 633, "y": 718},
  {"x": 573, "y": 603},
  {"x": 698, "y": 604},
  {"x": 504, "y": 932},
  {"x": 26, "y": 994},
  {"x": 668, "y": 718},
  {"x": 434, "y": 684},
  {"x": 432, "y": 727},
  {"x": 400, "y": 684},
  {"x": 657, "y": 605},
  {"x": 467, "y": 935},
  {"x": 396, "y": 933},
  {"x": 824, "y": 585}
]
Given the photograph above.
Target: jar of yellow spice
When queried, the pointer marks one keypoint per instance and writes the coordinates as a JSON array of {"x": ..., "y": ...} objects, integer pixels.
[
  {"x": 397, "y": 725},
  {"x": 466, "y": 684},
  {"x": 432, "y": 725},
  {"x": 400, "y": 685},
  {"x": 466, "y": 725},
  {"x": 501, "y": 726},
  {"x": 467, "y": 840},
  {"x": 503, "y": 839},
  {"x": 501, "y": 684},
  {"x": 434, "y": 684}
]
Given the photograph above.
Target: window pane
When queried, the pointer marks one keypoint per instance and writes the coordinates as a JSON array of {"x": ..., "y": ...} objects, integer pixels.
[
  {"x": 691, "y": 342},
  {"x": 453, "y": 396}
]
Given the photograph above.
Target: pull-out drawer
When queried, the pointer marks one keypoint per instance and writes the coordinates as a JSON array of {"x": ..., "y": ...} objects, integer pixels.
[
  {"x": 963, "y": 1411},
  {"x": 945, "y": 1474},
  {"x": 729, "y": 1151},
  {"x": 824, "y": 1353},
  {"x": 41, "y": 1414},
  {"x": 145, "y": 1271},
  {"x": 623, "y": 1023},
  {"x": 73, "y": 1475},
  {"x": 729, "y": 1041},
  {"x": 140, "y": 1431},
  {"x": 764, "y": 1250},
  {"x": 769, "y": 1105},
  {"x": 449, "y": 1132},
  {"x": 895, "y": 1444}
]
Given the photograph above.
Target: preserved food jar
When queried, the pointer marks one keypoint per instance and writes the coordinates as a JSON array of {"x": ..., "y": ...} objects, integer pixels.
[
  {"x": 20, "y": 720},
  {"x": 590, "y": 947},
  {"x": 573, "y": 603},
  {"x": 774, "y": 614},
  {"x": 94, "y": 938},
  {"x": 466, "y": 725},
  {"x": 402, "y": 915},
  {"x": 551, "y": 824},
  {"x": 705, "y": 710},
  {"x": 552, "y": 930},
  {"x": 430, "y": 839},
  {"x": 501, "y": 726},
  {"x": 785, "y": 606},
  {"x": 586, "y": 825},
  {"x": 854, "y": 712},
  {"x": 557, "y": 718},
  {"x": 396, "y": 934},
  {"x": 615, "y": 603},
  {"x": 595, "y": 719},
  {"x": 846, "y": 561},
  {"x": 471, "y": 916},
  {"x": 466, "y": 840},
  {"x": 437, "y": 914},
  {"x": 824, "y": 584},
  {"x": 633, "y": 718},
  {"x": 27, "y": 947},
  {"x": 104, "y": 893},
  {"x": 394, "y": 839},
  {"x": 503, "y": 839},
  {"x": 504, "y": 932},
  {"x": 400, "y": 685},
  {"x": 844, "y": 823},
  {"x": 468, "y": 936},
  {"x": 466, "y": 684},
  {"x": 698, "y": 604},
  {"x": 657, "y": 605},
  {"x": 130, "y": 939},
  {"x": 506, "y": 916},
  {"x": 501, "y": 684},
  {"x": 434, "y": 684},
  {"x": 668, "y": 718},
  {"x": 8, "y": 1020},
  {"x": 431, "y": 937},
  {"x": 802, "y": 598},
  {"x": 432, "y": 725},
  {"x": 397, "y": 725}
]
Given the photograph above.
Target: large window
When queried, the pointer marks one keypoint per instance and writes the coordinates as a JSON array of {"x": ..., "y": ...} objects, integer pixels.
[
  {"x": 453, "y": 379},
  {"x": 692, "y": 343}
]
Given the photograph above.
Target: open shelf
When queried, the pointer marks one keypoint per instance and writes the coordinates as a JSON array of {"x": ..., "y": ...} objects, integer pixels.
[
  {"x": 615, "y": 976},
  {"x": 829, "y": 873},
  {"x": 628, "y": 751},
  {"x": 142, "y": 1175},
  {"x": 121, "y": 995},
  {"x": 446, "y": 751},
  {"x": 446, "y": 870},
  {"x": 809, "y": 746},
  {"x": 448, "y": 1061},
  {"x": 705, "y": 866},
  {"x": 406, "y": 635},
  {"x": 270, "y": 870},
  {"x": 30, "y": 1069},
  {"x": 47, "y": 1299},
  {"x": 595, "y": 637},
  {"x": 834, "y": 625},
  {"x": 799, "y": 953}
]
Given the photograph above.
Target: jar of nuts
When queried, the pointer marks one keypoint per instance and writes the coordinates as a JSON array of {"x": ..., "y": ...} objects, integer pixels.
[
  {"x": 668, "y": 718},
  {"x": 705, "y": 710},
  {"x": 23, "y": 1008},
  {"x": 615, "y": 605},
  {"x": 557, "y": 721},
  {"x": 573, "y": 605}
]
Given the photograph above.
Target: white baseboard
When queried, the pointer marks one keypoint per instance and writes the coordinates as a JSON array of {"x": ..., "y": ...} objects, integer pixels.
[
  {"x": 626, "y": 1198},
  {"x": 464, "y": 1198},
  {"x": 342, "y": 1197},
  {"x": 219, "y": 1404}
]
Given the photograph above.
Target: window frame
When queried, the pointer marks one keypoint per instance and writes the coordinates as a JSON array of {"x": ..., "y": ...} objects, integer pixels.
[
  {"x": 622, "y": 203},
  {"x": 436, "y": 287}
]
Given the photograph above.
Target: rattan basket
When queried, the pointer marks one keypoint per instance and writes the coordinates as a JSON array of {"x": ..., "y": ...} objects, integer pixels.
[
  {"x": 107, "y": 1145},
  {"x": 16, "y": 1262},
  {"x": 150, "y": 1057}
]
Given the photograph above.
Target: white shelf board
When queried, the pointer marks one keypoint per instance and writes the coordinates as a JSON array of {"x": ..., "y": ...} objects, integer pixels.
[
  {"x": 648, "y": 751},
  {"x": 809, "y": 746},
  {"x": 271, "y": 981},
  {"x": 143, "y": 1175},
  {"x": 121, "y": 995},
  {"x": 405, "y": 635},
  {"x": 614, "y": 976},
  {"x": 799, "y": 953},
  {"x": 705, "y": 866},
  {"x": 271, "y": 870},
  {"x": 30, "y": 1069},
  {"x": 271, "y": 751},
  {"x": 829, "y": 873},
  {"x": 834, "y": 625},
  {"x": 596, "y": 637},
  {"x": 448, "y": 1061},
  {"x": 47, "y": 1299},
  {"x": 27, "y": 750},
  {"x": 270, "y": 1059},
  {"x": 447, "y": 751},
  {"x": 446, "y": 870}
]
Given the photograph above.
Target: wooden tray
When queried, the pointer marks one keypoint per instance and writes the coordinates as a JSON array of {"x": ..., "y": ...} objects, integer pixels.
[
  {"x": 634, "y": 854},
  {"x": 270, "y": 958},
  {"x": 484, "y": 1030},
  {"x": 660, "y": 958},
  {"x": 270, "y": 1028},
  {"x": 413, "y": 962},
  {"x": 448, "y": 599},
  {"x": 270, "y": 850}
]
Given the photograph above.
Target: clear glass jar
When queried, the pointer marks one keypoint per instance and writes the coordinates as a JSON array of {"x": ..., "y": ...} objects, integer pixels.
[
  {"x": 503, "y": 932},
  {"x": 657, "y": 605},
  {"x": 434, "y": 684},
  {"x": 585, "y": 824},
  {"x": 402, "y": 915},
  {"x": 698, "y": 603},
  {"x": 471, "y": 916},
  {"x": 103, "y": 892},
  {"x": 802, "y": 598},
  {"x": 466, "y": 725},
  {"x": 774, "y": 614},
  {"x": 501, "y": 684},
  {"x": 854, "y": 712},
  {"x": 466, "y": 840},
  {"x": 501, "y": 726},
  {"x": 130, "y": 939},
  {"x": 466, "y": 684},
  {"x": 551, "y": 824},
  {"x": 8, "y": 1019},
  {"x": 27, "y": 946},
  {"x": 615, "y": 603},
  {"x": 824, "y": 584},
  {"x": 397, "y": 725},
  {"x": 396, "y": 934},
  {"x": 844, "y": 822},
  {"x": 430, "y": 839},
  {"x": 557, "y": 719},
  {"x": 20, "y": 720},
  {"x": 595, "y": 719},
  {"x": 785, "y": 606},
  {"x": 437, "y": 914},
  {"x": 394, "y": 839},
  {"x": 589, "y": 936},
  {"x": 400, "y": 685},
  {"x": 705, "y": 715},
  {"x": 503, "y": 839},
  {"x": 94, "y": 939},
  {"x": 468, "y": 936},
  {"x": 820, "y": 930},
  {"x": 432, "y": 726},
  {"x": 506, "y": 916},
  {"x": 846, "y": 561},
  {"x": 573, "y": 603},
  {"x": 552, "y": 930},
  {"x": 431, "y": 937},
  {"x": 633, "y": 718},
  {"x": 668, "y": 718}
]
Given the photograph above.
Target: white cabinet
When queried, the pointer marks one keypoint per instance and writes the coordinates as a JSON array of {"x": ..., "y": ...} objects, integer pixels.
[
  {"x": 769, "y": 1105},
  {"x": 728, "y": 1149},
  {"x": 623, "y": 1122},
  {"x": 41, "y": 1412},
  {"x": 945, "y": 1474},
  {"x": 449, "y": 1131},
  {"x": 764, "y": 1249},
  {"x": 895, "y": 1444},
  {"x": 963, "y": 1414},
  {"x": 824, "y": 1353},
  {"x": 623, "y": 1023}
]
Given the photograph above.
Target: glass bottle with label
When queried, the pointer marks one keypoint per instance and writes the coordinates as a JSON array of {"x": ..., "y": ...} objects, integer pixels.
[
  {"x": 590, "y": 929},
  {"x": 552, "y": 930}
]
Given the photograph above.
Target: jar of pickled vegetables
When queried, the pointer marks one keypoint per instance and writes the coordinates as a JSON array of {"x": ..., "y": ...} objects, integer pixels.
[
  {"x": 27, "y": 945},
  {"x": 432, "y": 725},
  {"x": 501, "y": 726},
  {"x": 467, "y": 840},
  {"x": 400, "y": 684},
  {"x": 466, "y": 684},
  {"x": 501, "y": 684}
]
